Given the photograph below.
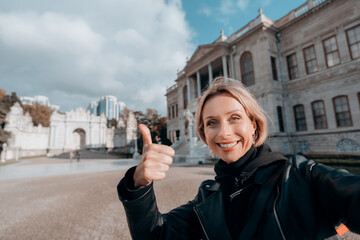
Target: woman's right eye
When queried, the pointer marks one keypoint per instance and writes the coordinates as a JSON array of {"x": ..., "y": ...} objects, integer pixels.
[{"x": 211, "y": 123}]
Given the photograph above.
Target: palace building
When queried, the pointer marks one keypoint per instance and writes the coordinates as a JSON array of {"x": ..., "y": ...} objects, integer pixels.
[{"x": 304, "y": 70}]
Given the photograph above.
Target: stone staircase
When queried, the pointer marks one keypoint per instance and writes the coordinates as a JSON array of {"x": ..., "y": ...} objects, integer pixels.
[{"x": 199, "y": 153}]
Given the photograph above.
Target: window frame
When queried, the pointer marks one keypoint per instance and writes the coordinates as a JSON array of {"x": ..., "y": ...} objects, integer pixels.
[
  {"x": 306, "y": 61},
  {"x": 336, "y": 113},
  {"x": 297, "y": 119},
  {"x": 280, "y": 120},
  {"x": 328, "y": 53},
  {"x": 242, "y": 69},
  {"x": 291, "y": 77},
  {"x": 185, "y": 96},
  {"x": 348, "y": 41},
  {"x": 274, "y": 68},
  {"x": 321, "y": 116}
]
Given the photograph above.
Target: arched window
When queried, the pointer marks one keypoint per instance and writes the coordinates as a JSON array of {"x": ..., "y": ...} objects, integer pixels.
[
  {"x": 185, "y": 96},
  {"x": 247, "y": 69},
  {"x": 342, "y": 111},
  {"x": 319, "y": 114},
  {"x": 300, "y": 120}
]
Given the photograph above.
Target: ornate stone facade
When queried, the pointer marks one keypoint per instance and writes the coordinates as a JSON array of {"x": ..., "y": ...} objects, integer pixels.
[
  {"x": 304, "y": 70},
  {"x": 26, "y": 139},
  {"x": 68, "y": 131}
]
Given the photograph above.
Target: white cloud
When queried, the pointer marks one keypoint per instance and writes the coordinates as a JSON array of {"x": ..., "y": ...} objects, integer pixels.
[
  {"x": 205, "y": 11},
  {"x": 49, "y": 31},
  {"x": 87, "y": 49},
  {"x": 243, "y": 4},
  {"x": 227, "y": 7}
]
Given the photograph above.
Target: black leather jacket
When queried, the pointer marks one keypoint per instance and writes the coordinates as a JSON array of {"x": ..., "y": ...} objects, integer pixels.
[{"x": 305, "y": 201}]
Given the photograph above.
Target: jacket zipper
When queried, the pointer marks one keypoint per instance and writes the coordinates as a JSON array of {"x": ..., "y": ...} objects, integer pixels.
[
  {"x": 202, "y": 226},
  {"x": 238, "y": 192},
  {"x": 276, "y": 216}
]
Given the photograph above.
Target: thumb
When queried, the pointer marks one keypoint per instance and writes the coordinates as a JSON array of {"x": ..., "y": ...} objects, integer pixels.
[{"x": 146, "y": 135}]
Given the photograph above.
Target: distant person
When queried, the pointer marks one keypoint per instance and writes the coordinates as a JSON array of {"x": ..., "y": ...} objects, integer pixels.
[
  {"x": 78, "y": 156},
  {"x": 256, "y": 193},
  {"x": 166, "y": 141},
  {"x": 71, "y": 155}
]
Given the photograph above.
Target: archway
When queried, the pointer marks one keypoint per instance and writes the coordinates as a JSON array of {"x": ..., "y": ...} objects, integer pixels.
[{"x": 79, "y": 138}]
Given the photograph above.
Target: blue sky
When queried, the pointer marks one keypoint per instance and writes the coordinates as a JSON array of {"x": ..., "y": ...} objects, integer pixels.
[
  {"x": 77, "y": 51},
  {"x": 208, "y": 17}
]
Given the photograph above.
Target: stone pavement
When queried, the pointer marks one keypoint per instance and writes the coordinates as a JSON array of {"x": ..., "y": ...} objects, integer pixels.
[{"x": 83, "y": 205}]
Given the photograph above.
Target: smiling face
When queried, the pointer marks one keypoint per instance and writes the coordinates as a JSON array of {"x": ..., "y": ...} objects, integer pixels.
[{"x": 228, "y": 129}]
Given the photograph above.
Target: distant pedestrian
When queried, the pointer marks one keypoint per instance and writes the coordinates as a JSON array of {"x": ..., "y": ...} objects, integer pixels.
[
  {"x": 78, "y": 156},
  {"x": 71, "y": 155}
]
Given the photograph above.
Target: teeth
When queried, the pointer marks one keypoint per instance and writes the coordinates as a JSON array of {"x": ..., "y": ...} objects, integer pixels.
[{"x": 228, "y": 145}]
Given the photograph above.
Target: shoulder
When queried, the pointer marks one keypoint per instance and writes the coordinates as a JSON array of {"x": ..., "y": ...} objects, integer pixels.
[
  {"x": 206, "y": 189},
  {"x": 209, "y": 185}
]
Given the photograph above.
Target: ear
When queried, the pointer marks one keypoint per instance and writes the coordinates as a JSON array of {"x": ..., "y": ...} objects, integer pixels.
[{"x": 254, "y": 126}]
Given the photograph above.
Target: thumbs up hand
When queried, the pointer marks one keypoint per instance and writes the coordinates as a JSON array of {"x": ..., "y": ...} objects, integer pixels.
[{"x": 155, "y": 160}]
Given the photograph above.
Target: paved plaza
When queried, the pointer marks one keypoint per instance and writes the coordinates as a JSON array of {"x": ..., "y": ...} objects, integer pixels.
[{"x": 80, "y": 202}]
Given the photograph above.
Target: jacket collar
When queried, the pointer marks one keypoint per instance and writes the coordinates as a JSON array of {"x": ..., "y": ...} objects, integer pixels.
[
  {"x": 211, "y": 214},
  {"x": 211, "y": 211}
]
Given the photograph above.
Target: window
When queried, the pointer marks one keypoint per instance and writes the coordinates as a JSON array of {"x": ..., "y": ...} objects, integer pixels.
[
  {"x": 342, "y": 111},
  {"x": 173, "y": 111},
  {"x": 310, "y": 59},
  {"x": 185, "y": 96},
  {"x": 280, "y": 119},
  {"x": 247, "y": 70},
  {"x": 331, "y": 51},
  {"x": 292, "y": 66},
  {"x": 176, "y": 110},
  {"x": 300, "y": 120},
  {"x": 169, "y": 113},
  {"x": 273, "y": 68},
  {"x": 318, "y": 110},
  {"x": 353, "y": 37}
]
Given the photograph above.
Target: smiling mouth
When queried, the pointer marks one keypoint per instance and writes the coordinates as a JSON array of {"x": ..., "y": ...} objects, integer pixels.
[{"x": 227, "y": 145}]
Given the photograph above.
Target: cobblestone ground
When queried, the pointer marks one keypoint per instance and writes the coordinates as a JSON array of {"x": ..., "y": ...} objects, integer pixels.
[{"x": 84, "y": 206}]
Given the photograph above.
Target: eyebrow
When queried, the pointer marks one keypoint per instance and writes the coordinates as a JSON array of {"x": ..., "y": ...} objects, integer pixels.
[{"x": 237, "y": 110}]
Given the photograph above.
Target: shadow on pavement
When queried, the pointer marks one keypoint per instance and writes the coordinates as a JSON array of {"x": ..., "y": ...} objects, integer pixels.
[{"x": 86, "y": 154}]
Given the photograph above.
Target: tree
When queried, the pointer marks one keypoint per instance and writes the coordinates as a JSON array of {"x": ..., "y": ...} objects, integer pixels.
[
  {"x": 2, "y": 93},
  {"x": 111, "y": 123},
  {"x": 6, "y": 102},
  {"x": 40, "y": 114}
]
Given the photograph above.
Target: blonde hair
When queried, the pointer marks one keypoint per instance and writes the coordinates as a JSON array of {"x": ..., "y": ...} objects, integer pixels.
[{"x": 238, "y": 91}]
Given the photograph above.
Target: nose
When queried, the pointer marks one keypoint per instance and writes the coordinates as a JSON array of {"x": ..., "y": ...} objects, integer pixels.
[{"x": 225, "y": 130}]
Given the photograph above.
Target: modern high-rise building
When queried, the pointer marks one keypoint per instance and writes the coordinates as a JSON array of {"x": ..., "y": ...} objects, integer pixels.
[
  {"x": 92, "y": 108},
  {"x": 107, "y": 105},
  {"x": 42, "y": 100}
]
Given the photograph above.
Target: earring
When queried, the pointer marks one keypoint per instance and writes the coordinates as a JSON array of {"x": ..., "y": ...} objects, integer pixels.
[{"x": 254, "y": 136}]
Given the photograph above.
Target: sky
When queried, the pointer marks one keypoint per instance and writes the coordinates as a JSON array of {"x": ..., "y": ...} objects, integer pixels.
[{"x": 75, "y": 51}]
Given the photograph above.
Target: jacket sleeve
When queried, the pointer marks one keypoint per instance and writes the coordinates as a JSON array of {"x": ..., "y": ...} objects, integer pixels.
[
  {"x": 338, "y": 192},
  {"x": 146, "y": 222}
]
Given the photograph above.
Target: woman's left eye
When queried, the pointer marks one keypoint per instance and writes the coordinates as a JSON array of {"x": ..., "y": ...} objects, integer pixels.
[{"x": 234, "y": 118}]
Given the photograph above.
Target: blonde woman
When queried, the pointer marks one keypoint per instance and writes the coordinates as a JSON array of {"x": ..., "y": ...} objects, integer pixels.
[{"x": 256, "y": 194}]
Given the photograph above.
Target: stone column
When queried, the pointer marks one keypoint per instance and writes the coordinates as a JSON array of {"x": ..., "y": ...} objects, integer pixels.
[
  {"x": 190, "y": 118},
  {"x": 210, "y": 74},
  {"x": 198, "y": 82},
  {"x": 3, "y": 153},
  {"x": 224, "y": 63},
  {"x": 188, "y": 90}
]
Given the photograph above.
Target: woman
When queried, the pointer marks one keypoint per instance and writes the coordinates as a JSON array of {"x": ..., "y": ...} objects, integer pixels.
[{"x": 256, "y": 194}]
